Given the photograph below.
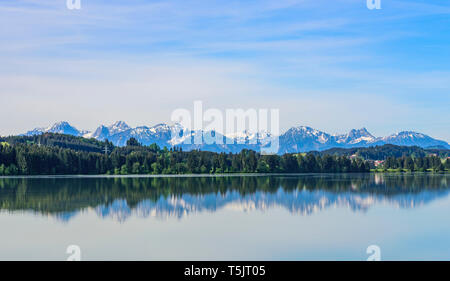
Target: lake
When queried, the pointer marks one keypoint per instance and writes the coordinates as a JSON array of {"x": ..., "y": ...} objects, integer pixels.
[{"x": 240, "y": 217}]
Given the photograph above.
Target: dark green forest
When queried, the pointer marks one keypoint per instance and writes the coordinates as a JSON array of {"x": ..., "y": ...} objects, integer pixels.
[
  {"x": 420, "y": 164},
  {"x": 54, "y": 154}
]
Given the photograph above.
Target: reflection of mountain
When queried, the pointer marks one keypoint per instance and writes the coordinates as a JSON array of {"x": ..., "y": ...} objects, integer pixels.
[
  {"x": 296, "y": 202},
  {"x": 164, "y": 197}
]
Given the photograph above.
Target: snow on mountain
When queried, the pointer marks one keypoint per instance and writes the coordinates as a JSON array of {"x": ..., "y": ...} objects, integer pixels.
[
  {"x": 296, "y": 139},
  {"x": 118, "y": 127},
  {"x": 180, "y": 134},
  {"x": 62, "y": 127},
  {"x": 249, "y": 137},
  {"x": 159, "y": 134},
  {"x": 360, "y": 137},
  {"x": 103, "y": 132},
  {"x": 302, "y": 138},
  {"x": 410, "y": 138},
  {"x": 34, "y": 132}
]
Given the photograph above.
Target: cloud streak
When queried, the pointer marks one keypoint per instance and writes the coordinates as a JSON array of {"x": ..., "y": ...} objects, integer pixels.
[{"x": 320, "y": 62}]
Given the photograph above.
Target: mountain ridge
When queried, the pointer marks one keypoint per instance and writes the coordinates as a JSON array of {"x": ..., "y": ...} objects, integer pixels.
[{"x": 294, "y": 140}]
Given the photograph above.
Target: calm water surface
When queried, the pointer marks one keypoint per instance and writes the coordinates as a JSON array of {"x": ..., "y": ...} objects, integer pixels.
[{"x": 279, "y": 217}]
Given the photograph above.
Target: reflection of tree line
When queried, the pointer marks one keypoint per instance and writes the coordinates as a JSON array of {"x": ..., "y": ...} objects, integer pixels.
[{"x": 55, "y": 195}]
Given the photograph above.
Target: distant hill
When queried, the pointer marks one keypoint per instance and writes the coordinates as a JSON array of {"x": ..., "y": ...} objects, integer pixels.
[
  {"x": 384, "y": 151},
  {"x": 59, "y": 140}
]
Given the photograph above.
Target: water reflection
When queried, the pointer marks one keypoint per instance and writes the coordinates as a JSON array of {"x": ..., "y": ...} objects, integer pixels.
[{"x": 122, "y": 198}]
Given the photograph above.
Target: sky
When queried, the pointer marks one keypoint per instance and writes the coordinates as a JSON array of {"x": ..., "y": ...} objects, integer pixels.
[{"x": 332, "y": 65}]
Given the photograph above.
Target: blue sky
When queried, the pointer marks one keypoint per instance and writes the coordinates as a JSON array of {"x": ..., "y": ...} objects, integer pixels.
[{"x": 331, "y": 65}]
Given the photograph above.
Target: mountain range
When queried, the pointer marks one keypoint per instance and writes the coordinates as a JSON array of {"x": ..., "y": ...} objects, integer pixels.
[{"x": 296, "y": 139}]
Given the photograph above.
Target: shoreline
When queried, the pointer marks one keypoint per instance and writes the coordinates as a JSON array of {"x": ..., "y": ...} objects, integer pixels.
[{"x": 219, "y": 175}]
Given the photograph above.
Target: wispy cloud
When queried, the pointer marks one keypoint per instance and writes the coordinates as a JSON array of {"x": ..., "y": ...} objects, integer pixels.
[{"x": 310, "y": 58}]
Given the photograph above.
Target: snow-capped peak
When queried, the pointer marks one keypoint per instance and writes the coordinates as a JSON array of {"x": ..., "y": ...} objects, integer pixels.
[
  {"x": 63, "y": 127},
  {"x": 305, "y": 132},
  {"x": 58, "y": 126},
  {"x": 250, "y": 136},
  {"x": 361, "y": 132},
  {"x": 161, "y": 128},
  {"x": 361, "y": 136},
  {"x": 406, "y": 135},
  {"x": 118, "y": 127},
  {"x": 296, "y": 139}
]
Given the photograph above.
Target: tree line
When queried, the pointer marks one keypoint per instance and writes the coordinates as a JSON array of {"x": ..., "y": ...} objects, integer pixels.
[
  {"x": 31, "y": 158},
  {"x": 54, "y": 154},
  {"x": 381, "y": 152},
  {"x": 417, "y": 164}
]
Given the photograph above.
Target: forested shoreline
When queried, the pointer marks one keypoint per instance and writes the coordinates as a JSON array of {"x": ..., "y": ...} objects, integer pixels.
[{"x": 52, "y": 154}]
